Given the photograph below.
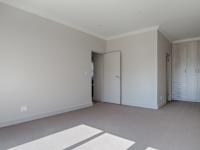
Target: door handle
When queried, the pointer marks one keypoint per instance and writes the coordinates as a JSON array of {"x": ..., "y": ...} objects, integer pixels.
[
  {"x": 117, "y": 76},
  {"x": 185, "y": 70},
  {"x": 197, "y": 70}
]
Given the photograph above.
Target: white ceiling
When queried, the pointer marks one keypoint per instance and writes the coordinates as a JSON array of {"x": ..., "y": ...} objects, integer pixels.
[{"x": 177, "y": 19}]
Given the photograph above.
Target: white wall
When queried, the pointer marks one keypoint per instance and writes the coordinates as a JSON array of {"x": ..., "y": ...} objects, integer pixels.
[
  {"x": 46, "y": 66},
  {"x": 139, "y": 68},
  {"x": 164, "y": 47},
  {"x": 43, "y": 65}
]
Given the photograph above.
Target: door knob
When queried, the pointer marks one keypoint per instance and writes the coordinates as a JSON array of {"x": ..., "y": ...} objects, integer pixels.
[{"x": 117, "y": 76}]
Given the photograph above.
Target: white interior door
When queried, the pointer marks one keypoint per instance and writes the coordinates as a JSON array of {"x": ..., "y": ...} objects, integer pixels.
[
  {"x": 169, "y": 78},
  {"x": 112, "y": 78}
]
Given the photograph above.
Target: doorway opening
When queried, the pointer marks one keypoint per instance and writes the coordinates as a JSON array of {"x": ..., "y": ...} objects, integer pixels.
[
  {"x": 97, "y": 77},
  {"x": 168, "y": 77},
  {"x": 106, "y": 77}
]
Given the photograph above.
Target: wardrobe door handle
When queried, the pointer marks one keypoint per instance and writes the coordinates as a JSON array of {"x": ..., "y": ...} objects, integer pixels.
[{"x": 117, "y": 76}]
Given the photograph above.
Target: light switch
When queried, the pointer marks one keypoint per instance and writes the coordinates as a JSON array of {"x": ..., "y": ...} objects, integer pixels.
[{"x": 23, "y": 108}]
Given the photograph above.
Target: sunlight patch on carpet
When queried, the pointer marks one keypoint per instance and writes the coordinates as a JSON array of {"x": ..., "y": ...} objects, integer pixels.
[
  {"x": 61, "y": 140},
  {"x": 106, "y": 142},
  {"x": 151, "y": 148}
]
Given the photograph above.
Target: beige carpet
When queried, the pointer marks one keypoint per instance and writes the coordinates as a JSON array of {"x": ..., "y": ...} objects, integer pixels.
[{"x": 174, "y": 127}]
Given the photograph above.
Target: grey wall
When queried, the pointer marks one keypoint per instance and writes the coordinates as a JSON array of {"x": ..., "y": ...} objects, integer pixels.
[
  {"x": 164, "y": 47},
  {"x": 139, "y": 68},
  {"x": 46, "y": 66},
  {"x": 43, "y": 65}
]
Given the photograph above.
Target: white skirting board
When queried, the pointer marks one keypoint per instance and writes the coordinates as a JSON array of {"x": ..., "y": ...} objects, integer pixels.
[{"x": 43, "y": 115}]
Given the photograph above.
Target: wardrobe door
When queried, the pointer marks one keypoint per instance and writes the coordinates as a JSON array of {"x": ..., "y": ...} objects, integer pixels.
[
  {"x": 191, "y": 75},
  {"x": 198, "y": 73},
  {"x": 179, "y": 71},
  {"x": 186, "y": 71}
]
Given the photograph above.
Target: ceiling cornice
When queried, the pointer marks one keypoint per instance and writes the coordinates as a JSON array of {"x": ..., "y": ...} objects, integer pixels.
[
  {"x": 75, "y": 27},
  {"x": 134, "y": 32},
  {"x": 186, "y": 40},
  {"x": 48, "y": 17}
]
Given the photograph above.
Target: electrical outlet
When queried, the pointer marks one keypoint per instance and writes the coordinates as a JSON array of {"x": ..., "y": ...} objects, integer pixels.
[{"x": 23, "y": 108}]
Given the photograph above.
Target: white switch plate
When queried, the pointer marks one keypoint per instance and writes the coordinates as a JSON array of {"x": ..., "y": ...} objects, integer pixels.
[{"x": 23, "y": 108}]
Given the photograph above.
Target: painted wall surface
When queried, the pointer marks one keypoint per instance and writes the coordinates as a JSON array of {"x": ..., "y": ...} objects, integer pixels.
[
  {"x": 139, "y": 68},
  {"x": 164, "y": 48},
  {"x": 44, "y": 65}
]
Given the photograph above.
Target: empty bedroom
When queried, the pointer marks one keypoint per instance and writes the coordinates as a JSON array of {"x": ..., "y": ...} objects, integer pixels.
[{"x": 99, "y": 75}]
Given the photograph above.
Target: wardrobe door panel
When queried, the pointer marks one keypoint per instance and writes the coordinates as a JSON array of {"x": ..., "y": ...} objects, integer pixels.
[
  {"x": 198, "y": 72},
  {"x": 191, "y": 76},
  {"x": 186, "y": 71},
  {"x": 179, "y": 70}
]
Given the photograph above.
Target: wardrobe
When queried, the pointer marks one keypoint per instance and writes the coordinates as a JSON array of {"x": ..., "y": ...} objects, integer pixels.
[{"x": 186, "y": 71}]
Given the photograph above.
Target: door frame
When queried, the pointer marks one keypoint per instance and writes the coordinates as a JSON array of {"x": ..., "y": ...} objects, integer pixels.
[
  {"x": 112, "y": 51},
  {"x": 168, "y": 77}
]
